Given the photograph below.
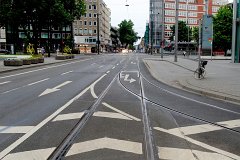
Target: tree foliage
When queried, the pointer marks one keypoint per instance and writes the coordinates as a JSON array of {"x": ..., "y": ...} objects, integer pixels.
[
  {"x": 182, "y": 32},
  {"x": 222, "y": 28},
  {"x": 127, "y": 34},
  {"x": 195, "y": 34}
]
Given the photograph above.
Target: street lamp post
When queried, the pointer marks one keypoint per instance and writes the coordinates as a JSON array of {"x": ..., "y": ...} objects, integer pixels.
[
  {"x": 163, "y": 27},
  {"x": 188, "y": 51},
  {"x": 98, "y": 39},
  {"x": 234, "y": 29},
  {"x": 176, "y": 32},
  {"x": 151, "y": 19}
]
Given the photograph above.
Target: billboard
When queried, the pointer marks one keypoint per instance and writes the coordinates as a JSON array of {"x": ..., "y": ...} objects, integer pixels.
[{"x": 207, "y": 32}]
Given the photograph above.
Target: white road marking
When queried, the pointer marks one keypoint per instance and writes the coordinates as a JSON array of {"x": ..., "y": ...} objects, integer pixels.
[
  {"x": 121, "y": 112},
  {"x": 113, "y": 67},
  {"x": 43, "y": 69},
  {"x": 5, "y": 82},
  {"x": 41, "y": 124},
  {"x": 93, "y": 64},
  {"x": 188, "y": 130},
  {"x": 41, "y": 154},
  {"x": 66, "y": 73},
  {"x": 133, "y": 63},
  {"x": 71, "y": 116},
  {"x": 15, "y": 129},
  {"x": 111, "y": 115},
  {"x": 117, "y": 64},
  {"x": 38, "y": 82},
  {"x": 93, "y": 85},
  {"x": 204, "y": 145},
  {"x": 108, "y": 72},
  {"x": 51, "y": 90},
  {"x": 105, "y": 143},
  {"x": 100, "y": 66},
  {"x": 187, "y": 154},
  {"x": 129, "y": 80},
  {"x": 11, "y": 90}
]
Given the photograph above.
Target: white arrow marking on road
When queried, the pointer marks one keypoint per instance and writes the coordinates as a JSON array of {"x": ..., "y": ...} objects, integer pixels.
[
  {"x": 41, "y": 154},
  {"x": 15, "y": 129},
  {"x": 105, "y": 143},
  {"x": 51, "y": 90},
  {"x": 133, "y": 63},
  {"x": 128, "y": 80},
  {"x": 204, "y": 145},
  {"x": 5, "y": 82},
  {"x": 183, "y": 154}
]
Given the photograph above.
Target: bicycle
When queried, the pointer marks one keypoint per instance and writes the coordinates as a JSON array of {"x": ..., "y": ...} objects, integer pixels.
[{"x": 200, "y": 73}]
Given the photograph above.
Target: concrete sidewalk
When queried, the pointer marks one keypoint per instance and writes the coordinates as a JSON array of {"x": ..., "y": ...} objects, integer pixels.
[
  {"x": 222, "y": 79},
  {"x": 47, "y": 61}
]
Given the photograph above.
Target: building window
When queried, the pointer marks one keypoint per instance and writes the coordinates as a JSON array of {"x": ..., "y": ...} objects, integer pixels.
[
  {"x": 94, "y": 23},
  {"x": 85, "y": 23},
  {"x": 94, "y": 7},
  {"x": 90, "y": 15},
  {"x": 81, "y": 31},
  {"x": 95, "y": 31},
  {"x": 89, "y": 23},
  {"x": 90, "y": 7},
  {"x": 85, "y": 31}
]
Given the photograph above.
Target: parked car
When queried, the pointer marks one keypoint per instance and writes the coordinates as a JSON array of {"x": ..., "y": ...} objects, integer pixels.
[{"x": 4, "y": 51}]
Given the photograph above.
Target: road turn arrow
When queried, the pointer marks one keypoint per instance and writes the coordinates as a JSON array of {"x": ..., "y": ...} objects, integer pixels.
[
  {"x": 55, "y": 89},
  {"x": 128, "y": 80}
]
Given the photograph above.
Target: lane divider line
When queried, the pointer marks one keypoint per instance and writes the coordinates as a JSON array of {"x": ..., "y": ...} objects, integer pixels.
[
  {"x": 38, "y": 82},
  {"x": 5, "y": 82},
  {"x": 66, "y": 73}
]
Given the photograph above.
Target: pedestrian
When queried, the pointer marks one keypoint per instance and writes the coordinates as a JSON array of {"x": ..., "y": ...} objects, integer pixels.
[
  {"x": 43, "y": 51},
  {"x": 184, "y": 53}
]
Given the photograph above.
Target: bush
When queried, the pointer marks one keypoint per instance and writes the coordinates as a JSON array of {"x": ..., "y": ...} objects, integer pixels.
[{"x": 75, "y": 51}]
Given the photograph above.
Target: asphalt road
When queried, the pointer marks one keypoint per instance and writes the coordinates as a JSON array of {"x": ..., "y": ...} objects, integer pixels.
[{"x": 109, "y": 107}]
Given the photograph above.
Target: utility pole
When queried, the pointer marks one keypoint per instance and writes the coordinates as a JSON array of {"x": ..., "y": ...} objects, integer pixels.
[
  {"x": 163, "y": 27},
  {"x": 151, "y": 17},
  {"x": 98, "y": 39},
  {"x": 199, "y": 45},
  {"x": 188, "y": 51},
  {"x": 176, "y": 32}
]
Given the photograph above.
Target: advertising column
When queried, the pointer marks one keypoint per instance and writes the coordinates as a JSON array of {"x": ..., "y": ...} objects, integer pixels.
[{"x": 236, "y": 32}]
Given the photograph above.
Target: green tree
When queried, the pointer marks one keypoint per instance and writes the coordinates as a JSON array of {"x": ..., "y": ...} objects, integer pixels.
[
  {"x": 39, "y": 13},
  {"x": 195, "y": 34},
  {"x": 222, "y": 29},
  {"x": 182, "y": 32},
  {"x": 127, "y": 34}
]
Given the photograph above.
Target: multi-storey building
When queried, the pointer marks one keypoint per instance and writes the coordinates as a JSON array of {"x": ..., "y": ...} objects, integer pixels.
[
  {"x": 155, "y": 24},
  {"x": 190, "y": 11},
  {"x": 2, "y": 38},
  {"x": 85, "y": 29}
]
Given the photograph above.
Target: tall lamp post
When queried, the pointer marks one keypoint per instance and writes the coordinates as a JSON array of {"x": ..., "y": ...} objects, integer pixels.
[
  {"x": 98, "y": 39},
  {"x": 176, "y": 32},
  {"x": 151, "y": 32},
  {"x": 163, "y": 27}
]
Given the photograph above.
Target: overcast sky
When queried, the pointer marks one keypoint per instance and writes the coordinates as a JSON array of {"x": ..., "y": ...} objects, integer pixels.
[{"x": 137, "y": 11}]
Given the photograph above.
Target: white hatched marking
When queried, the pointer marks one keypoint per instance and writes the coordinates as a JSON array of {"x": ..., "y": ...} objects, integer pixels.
[
  {"x": 187, "y": 154},
  {"x": 41, "y": 124},
  {"x": 15, "y": 129},
  {"x": 66, "y": 73},
  {"x": 204, "y": 145},
  {"x": 113, "y": 67},
  {"x": 111, "y": 115},
  {"x": 108, "y": 72},
  {"x": 41, "y": 154},
  {"x": 121, "y": 112},
  {"x": 5, "y": 82},
  {"x": 69, "y": 116},
  {"x": 100, "y": 66},
  {"x": 188, "y": 130},
  {"x": 38, "y": 82},
  {"x": 105, "y": 143}
]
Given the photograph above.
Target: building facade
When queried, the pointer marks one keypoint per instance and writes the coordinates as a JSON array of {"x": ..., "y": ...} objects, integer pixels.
[
  {"x": 85, "y": 30},
  {"x": 155, "y": 24},
  {"x": 2, "y": 38},
  {"x": 190, "y": 11}
]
